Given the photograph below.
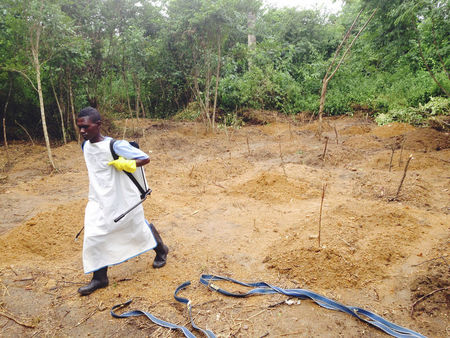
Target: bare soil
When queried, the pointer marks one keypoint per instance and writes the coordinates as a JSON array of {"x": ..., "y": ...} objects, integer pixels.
[{"x": 245, "y": 204}]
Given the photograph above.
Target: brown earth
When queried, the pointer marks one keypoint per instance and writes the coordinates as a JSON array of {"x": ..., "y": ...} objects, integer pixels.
[{"x": 245, "y": 204}]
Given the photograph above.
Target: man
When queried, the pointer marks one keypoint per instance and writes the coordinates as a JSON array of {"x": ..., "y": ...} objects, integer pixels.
[{"x": 111, "y": 192}]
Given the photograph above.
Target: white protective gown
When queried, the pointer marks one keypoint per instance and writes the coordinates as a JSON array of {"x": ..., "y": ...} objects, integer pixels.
[{"x": 111, "y": 193}]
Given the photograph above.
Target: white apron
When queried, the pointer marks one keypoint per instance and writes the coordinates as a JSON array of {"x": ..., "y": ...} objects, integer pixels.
[{"x": 111, "y": 193}]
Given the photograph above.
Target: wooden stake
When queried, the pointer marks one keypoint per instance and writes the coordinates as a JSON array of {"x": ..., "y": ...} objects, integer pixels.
[
  {"x": 5, "y": 141},
  {"x": 192, "y": 170},
  {"x": 336, "y": 133},
  {"x": 281, "y": 156},
  {"x": 125, "y": 128},
  {"x": 325, "y": 148},
  {"x": 392, "y": 156},
  {"x": 320, "y": 214},
  {"x": 248, "y": 147},
  {"x": 403, "y": 178},
  {"x": 401, "y": 153}
]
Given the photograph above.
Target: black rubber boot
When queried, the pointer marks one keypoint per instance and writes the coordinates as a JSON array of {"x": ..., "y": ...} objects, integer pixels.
[
  {"x": 99, "y": 280},
  {"x": 161, "y": 249}
]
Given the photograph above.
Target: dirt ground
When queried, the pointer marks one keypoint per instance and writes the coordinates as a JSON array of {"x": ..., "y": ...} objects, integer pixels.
[{"x": 246, "y": 204}]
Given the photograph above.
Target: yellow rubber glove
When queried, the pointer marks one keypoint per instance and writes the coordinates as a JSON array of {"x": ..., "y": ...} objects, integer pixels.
[{"x": 123, "y": 164}]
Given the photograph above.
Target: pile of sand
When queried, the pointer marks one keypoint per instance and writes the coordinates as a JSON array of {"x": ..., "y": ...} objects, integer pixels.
[
  {"x": 355, "y": 130},
  {"x": 426, "y": 139},
  {"x": 216, "y": 171},
  {"x": 276, "y": 188},
  {"x": 362, "y": 142},
  {"x": 392, "y": 129},
  {"x": 49, "y": 236},
  {"x": 356, "y": 247}
]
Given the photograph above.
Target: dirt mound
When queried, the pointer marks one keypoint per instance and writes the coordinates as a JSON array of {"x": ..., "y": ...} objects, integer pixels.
[
  {"x": 358, "y": 245},
  {"x": 275, "y": 128},
  {"x": 420, "y": 161},
  {"x": 384, "y": 186},
  {"x": 426, "y": 139},
  {"x": 49, "y": 236},
  {"x": 355, "y": 130},
  {"x": 276, "y": 188},
  {"x": 259, "y": 116},
  {"x": 392, "y": 129},
  {"x": 315, "y": 126},
  {"x": 215, "y": 171},
  {"x": 362, "y": 142}
]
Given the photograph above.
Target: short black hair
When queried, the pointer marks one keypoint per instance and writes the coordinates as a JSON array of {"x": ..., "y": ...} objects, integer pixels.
[{"x": 91, "y": 112}]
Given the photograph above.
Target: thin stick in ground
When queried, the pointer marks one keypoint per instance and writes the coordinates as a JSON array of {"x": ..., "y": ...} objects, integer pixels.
[
  {"x": 325, "y": 148},
  {"x": 281, "y": 157},
  {"x": 403, "y": 178},
  {"x": 392, "y": 156},
  {"x": 324, "y": 186},
  {"x": 336, "y": 133},
  {"x": 248, "y": 147},
  {"x": 401, "y": 153},
  {"x": 426, "y": 296}
]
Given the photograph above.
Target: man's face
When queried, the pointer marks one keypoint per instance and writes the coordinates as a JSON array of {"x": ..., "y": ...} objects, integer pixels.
[{"x": 88, "y": 129}]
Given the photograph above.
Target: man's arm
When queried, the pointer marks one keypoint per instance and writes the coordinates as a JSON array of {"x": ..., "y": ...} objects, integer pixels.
[
  {"x": 129, "y": 157},
  {"x": 142, "y": 162}
]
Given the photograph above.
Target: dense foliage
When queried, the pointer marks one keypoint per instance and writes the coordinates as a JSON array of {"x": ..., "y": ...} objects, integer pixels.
[{"x": 158, "y": 58}]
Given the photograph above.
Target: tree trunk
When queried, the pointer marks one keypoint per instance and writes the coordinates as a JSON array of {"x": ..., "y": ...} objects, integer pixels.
[
  {"x": 207, "y": 94},
  {"x": 144, "y": 115},
  {"x": 322, "y": 97},
  {"x": 5, "y": 139},
  {"x": 37, "y": 67},
  {"x": 216, "y": 89},
  {"x": 72, "y": 108},
  {"x": 251, "y": 38},
  {"x": 138, "y": 97},
  {"x": 329, "y": 76},
  {"x": 136, "y": 89},
  {"x": 63, "y": 129},
  {"x": 125, "y": 83}
]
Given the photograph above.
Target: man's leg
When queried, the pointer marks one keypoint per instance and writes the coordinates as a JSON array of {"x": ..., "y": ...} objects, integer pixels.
[
  {"x": 161, "y": 249},
  {"x": 99, "y": 280}
]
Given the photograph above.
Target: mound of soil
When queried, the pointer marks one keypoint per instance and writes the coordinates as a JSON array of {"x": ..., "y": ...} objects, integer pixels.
[
  {"x": 316, "y": 126},
  {"x": 276, "y": 188},
  {"x": 392, "y": 129},
  {"x": 356, "y": 130},
  {"x": 426, "y": 139},
  {"x": 354, "y": 250},
  {"x": 47, "y": 237},
  {"x": 362, "y": 142}
]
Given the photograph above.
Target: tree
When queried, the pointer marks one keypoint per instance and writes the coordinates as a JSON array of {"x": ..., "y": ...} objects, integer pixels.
[
  {"x": 414, "y": 28},
  {"x": 202, "y": 27},
  {"x": 330, "y": 71},
  {"x": 40, "y": 26}
]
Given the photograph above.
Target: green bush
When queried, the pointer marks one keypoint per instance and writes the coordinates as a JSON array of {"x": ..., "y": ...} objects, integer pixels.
[
  {"x": 191, "y": 113},
  {"x": 416, "y": 116}
]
